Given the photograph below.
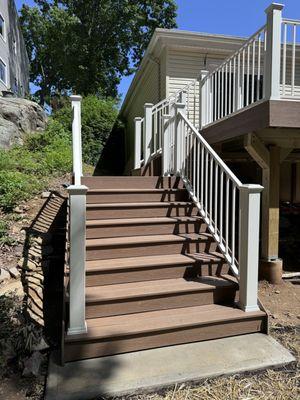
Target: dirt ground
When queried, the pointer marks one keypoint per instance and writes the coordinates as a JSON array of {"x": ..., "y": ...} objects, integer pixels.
[{"x": 281, "y": 301}]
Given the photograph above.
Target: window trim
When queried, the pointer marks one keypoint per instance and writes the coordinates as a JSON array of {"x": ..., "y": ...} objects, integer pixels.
[
  {"x": 3, "y": 37},
  {"x": 5, "y": 67}
]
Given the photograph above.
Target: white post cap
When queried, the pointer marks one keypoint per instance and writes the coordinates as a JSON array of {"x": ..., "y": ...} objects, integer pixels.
[
  {"x": 75, "y": 97},
  {"x": 274, "y": 6}
]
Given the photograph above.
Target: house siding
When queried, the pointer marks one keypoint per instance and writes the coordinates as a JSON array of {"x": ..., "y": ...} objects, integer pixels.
[
  {"x": 184, "y": 67},
  {"x": 149, "y": 90},
  {"x": 14, "y": 56}
]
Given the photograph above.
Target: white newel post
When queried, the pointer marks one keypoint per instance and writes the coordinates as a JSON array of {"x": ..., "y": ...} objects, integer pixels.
[
  {"x": 204, "y": 99},
  {"x": 166, "y": 145},
  {"x": 76, "y": 138},
  {"x": 249, "y": 218},
  {"x": 273, "y": 52},
  {"x": 77, "y": 235},
  {"x": 183, "y": 97},
  {"x": 147, "y": 131},
  {"x": 137, "y": 142},
  {"x": 179, "y": 107}
]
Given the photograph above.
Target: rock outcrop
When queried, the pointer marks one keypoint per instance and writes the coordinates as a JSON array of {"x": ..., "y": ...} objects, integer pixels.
[{"x": 19, "y": 116}]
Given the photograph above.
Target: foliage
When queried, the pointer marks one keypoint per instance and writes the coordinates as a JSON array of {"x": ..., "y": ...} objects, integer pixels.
[
  {"x": 5, "y": 238},
  {"x": 15, "y": 187},
  {"x": 24, "y": 170},
  {"x": 87, "y": 45},
  {"x": 98, "y": 118}
]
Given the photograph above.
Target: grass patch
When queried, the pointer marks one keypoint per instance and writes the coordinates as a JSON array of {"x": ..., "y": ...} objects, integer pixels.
[
  {"x": 5, "y": 238},
  {"x": 26, "y": 170}
]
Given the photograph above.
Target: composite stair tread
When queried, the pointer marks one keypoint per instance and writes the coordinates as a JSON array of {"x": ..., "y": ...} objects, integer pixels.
[
  {"x": 153, "y": 261},
  {"x": 161, "y": 320},
  {"x": 141, "y": 204},
  {"x": 147, "y": 239},
  {"x": 157, "y": 287},
  {"x": 141, "y": 221}
]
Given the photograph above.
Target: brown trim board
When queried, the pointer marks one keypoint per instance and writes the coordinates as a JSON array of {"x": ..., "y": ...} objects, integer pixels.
[{"x": 268, "y": 114}]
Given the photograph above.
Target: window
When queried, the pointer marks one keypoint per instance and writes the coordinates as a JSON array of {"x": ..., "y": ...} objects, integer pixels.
[
  {"x": 15, "y": 47},
  {"x": 2, "y": 26},
  {"x": 2, "y": 72}
]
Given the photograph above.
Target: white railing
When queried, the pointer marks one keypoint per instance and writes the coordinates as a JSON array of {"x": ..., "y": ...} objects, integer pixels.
[
  {"x": 229, "y": 208},
  {"x": 77, "y": 233},
  {"x": 266, "y": 67},
  {"x": 290, "y": 61},
  {"x": 236, "y": 83},
  {"x": 148, "y": 142}
]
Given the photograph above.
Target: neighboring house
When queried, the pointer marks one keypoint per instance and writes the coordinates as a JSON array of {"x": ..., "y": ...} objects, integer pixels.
[{"x": 14, "y": 63}]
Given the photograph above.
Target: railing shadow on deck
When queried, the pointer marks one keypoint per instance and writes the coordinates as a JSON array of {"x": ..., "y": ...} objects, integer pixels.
[
  {"x": 43, "y": 267},
  {"x": 42, "y": 278}
]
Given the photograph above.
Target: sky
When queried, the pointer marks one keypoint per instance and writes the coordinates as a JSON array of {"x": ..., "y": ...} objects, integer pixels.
[{"x": 230, "y": 17}]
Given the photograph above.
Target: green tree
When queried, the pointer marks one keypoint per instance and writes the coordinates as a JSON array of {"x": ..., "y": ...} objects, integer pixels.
[{"x": 87, "y": 45}]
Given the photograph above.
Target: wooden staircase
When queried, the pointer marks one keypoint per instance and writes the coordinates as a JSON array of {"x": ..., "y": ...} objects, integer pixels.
[{"x": 154, "y": 275}]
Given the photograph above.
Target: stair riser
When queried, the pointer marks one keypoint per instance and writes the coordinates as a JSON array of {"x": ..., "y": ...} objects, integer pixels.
[
  {"x": 145, "y": 229},
  {"x": 118, "y": 345},
  {"x": 160, "y": 302},
  {"x": 141, "y": 212},
  {"x": 114, "y": 277},
  {"x": 100, "y": 198},
  {"x": 138, "y": 275},
  {"x": 132, "y": 182},
  {"x": 104, "y": 253}
]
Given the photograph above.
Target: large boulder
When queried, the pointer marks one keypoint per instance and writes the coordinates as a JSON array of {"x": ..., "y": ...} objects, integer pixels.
[{"x": 19, "y": 116}]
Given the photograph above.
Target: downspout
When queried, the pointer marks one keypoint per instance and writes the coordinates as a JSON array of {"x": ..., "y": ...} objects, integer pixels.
[{"x": 157, "y": 62}]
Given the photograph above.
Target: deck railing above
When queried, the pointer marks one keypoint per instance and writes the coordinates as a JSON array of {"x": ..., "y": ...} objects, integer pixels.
[
  {"x": 290, "y": 60},
  {"x": 266, "y": 67},
  {"x": 236, "y": 83}
]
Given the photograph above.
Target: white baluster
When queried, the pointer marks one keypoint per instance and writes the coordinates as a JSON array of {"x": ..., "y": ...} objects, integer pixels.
[
  {"x": 166, "y": 144},
  {"x": 179, "y": 131},
  {"x": 148, "y": 139},
  {"x": 137, "y": 142},
  {"x": 203, "y": 99}
]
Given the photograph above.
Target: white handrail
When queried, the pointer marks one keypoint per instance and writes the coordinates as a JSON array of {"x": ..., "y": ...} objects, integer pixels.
[
  {"x": 216, "y": 157},
  {"x": 229, "y": 208}
]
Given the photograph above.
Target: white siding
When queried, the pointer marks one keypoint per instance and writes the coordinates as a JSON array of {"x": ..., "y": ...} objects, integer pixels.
[
  {"x": 146, "y": 92},
  {"x": 184, "y": 67}
]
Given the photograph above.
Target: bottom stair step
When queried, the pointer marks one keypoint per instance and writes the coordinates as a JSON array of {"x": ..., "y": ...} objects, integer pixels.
[
  {"x": 133, "y": 332},
  {"x": 128, "y": 298}
]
